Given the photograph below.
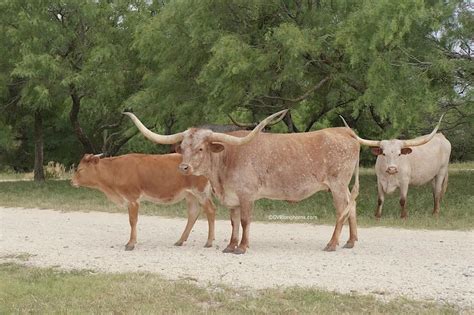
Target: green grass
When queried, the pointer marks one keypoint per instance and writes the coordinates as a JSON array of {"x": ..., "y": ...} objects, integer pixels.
[
  {"x": 48, "y": 291},
  {"x": 457, "y": 209}
]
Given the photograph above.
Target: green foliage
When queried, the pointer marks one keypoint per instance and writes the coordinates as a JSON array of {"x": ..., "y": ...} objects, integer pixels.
[{"x": 390, "y": 67}]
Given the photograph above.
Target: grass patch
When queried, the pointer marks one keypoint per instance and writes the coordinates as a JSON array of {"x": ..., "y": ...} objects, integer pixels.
[
  {"x": 46, "y": 291},
  {"x": 457, "y": 209}
]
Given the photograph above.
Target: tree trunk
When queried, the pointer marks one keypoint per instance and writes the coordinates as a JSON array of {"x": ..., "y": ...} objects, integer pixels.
[
  {"x": 289, "y": 123},
  {"x": 74, "y": 118},
  {"x": 39, "y": 172}
]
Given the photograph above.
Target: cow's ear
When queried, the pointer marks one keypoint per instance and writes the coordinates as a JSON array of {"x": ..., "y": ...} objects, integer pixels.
[
  {"x": 406, "y": 151},
  {"x": 177, "y": 148},
  {"x": 87, "y": 157},
  {"x": 216, "y": 147},
  {"x": 376, "y": 150},
  {"x": 94, "y": 159}
]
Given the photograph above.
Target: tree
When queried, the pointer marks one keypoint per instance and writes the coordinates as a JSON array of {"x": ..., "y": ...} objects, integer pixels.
[
  {"x": 71, "y": 56},
  {"x": 379, "y": 62}
]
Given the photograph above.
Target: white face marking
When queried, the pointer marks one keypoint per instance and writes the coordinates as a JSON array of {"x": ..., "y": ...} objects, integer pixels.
[
  {"x": 195, "y": 149},
  {"x": 391, "y": 153}
]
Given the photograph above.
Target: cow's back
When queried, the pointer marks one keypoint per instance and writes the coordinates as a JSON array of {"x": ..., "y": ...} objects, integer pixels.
[{"x": 428, "y": 159}]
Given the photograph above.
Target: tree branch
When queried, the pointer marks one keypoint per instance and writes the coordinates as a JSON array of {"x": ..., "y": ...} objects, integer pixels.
[
  {"x": 302, "y": 97},
  {"x": 74, "y": 118}
]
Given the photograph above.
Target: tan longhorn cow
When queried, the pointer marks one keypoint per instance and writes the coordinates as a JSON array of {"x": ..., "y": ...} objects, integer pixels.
[
  {"x": 401, "y": 163},
  {"x": 243, "y": 167},
  {"x": 127, "y": 179}
]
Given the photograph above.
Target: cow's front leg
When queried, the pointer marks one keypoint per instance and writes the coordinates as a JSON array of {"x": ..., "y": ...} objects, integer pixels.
[
  {"x": 403, "y": 200},
  {"x": 380, "y": 201},
  {"x": 234, "y": 239},
  {"x": 210, "y": 209},
  {"x": 133, "y": 219},
  {"x": 246, "y": 208}
]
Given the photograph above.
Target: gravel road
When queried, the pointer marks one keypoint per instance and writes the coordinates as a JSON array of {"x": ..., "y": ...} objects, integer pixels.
[{"x": 424, "y": 265}]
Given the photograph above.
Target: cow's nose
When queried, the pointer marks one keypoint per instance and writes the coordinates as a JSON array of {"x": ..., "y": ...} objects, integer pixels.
[
  {"x": 392, "y": 170},
  {"x": 184, "y": 168}
]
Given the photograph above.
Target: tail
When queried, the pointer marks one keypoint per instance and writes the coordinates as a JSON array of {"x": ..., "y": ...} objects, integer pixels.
[
  {"x": 355, "y": 188},
  {"x": 351, "y": 206}
]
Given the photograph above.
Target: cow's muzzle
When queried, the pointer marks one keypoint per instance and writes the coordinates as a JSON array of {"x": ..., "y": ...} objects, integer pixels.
[
  {"x": 392, "y": 170},
  {"x": 185, "y": 169}
]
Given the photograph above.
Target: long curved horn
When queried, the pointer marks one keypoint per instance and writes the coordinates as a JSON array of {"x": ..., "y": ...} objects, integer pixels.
[
  {"x": 157, "y": 138},
  {"x": 241, "y": 125},
  {"x": 370, "y": 143},
  {"x": 247, "y": 125},
  {"x": 224, "y": 138},
  {"x": 423, "y": 139},
  {"x": 99, "y": 155}
]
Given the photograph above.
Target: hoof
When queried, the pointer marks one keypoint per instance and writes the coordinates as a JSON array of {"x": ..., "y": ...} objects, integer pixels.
[
  {"x": 349, "y": 244},
  {"x": 178, "y": 243},
  {"x": 129, "y": 247},
  {"x": 330, "y": 248},
  {"x": 229, "y": 249},
  {"x": 377, "y": 217},
  {"x": 208, "y": 245},
  {"x": 239, "y": 251},
  {"x": 404, "y": 217}
]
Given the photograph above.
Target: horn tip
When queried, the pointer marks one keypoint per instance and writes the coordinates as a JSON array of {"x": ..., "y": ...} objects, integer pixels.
[
  {"x": 129, "y": 114},
  {"x": 344, "y": 121}
]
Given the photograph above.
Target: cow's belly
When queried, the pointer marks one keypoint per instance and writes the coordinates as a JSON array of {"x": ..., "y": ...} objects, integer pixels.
[
  {"x": 160, "y": 200},
  {"x": 291, "y": 192},
  {"x": 422, "y": 179}
]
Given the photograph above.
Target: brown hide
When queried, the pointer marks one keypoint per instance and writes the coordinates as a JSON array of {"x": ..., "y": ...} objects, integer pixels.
[{"x": 128, "y": 178}]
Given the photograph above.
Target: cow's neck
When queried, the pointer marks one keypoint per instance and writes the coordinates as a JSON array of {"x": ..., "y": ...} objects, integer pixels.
[
  {"x": 216, "y": 174},
  {"x": 104, "y": 177}
]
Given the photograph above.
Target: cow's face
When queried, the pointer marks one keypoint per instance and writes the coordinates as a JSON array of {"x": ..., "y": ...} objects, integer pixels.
[
  {"x": 391, "y": 151},
  {"x": 86, "y": 173},
  {"x": 197, "y": 151}
]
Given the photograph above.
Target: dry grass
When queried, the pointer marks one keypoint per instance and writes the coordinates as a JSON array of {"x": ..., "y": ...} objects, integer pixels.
[{"x": 47, "y": 291}]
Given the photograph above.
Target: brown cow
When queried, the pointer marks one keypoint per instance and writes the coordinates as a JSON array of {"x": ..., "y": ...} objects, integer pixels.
[
  {"x": 128, "y": 178},
  {"x": 246, "y": 166}
]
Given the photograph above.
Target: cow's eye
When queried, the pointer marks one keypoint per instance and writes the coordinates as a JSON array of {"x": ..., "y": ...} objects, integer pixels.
[
  {"x": 383, "y": 154},
  {"x": 200, "y": 149}
]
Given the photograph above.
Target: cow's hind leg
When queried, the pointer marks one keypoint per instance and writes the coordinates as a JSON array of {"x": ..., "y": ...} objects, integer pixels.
[
  {"x": 438, "y": 190},
  {"x": 234, "y": 239},
  {"x": 340, "y": 197},
  {"x": 352, "y": 226},
  {"x": 133, "y": 219},
  {"x": 193, "y": 214},
  {"x": 210, "y": 209}
]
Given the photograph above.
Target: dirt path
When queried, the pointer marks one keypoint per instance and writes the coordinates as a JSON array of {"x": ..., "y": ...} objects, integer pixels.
[{"x": 428, "y": 265}]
